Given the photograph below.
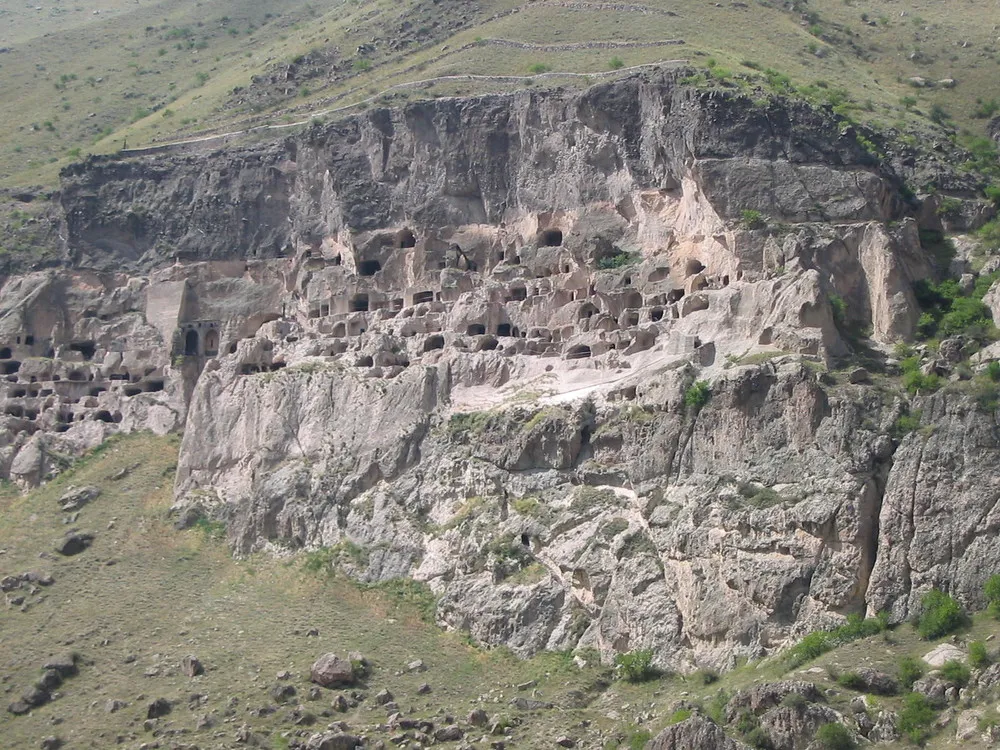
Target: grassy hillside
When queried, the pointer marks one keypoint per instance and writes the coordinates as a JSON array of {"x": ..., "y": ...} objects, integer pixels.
[
  {"x": 145, "y": 595},
  {"x": 74, "y": 82}
]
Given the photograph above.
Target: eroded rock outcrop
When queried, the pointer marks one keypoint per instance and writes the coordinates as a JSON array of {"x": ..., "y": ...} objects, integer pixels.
[{"x": 461, "y": 342}]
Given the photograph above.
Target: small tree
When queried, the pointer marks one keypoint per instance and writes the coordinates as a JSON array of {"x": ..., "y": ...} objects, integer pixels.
[
  {"x": 979, "y": 657},
  {"x": 697, "y": 395},
  {"x": 636, "y": 666},
  {"x": 909, "y": 671},
  {"x": 916, "y": 718}
]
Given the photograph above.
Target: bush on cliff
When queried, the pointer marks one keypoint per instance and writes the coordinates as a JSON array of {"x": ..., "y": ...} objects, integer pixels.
[
  {"x": 636, "y": 666},
  {"x": 939, "y": 615}
]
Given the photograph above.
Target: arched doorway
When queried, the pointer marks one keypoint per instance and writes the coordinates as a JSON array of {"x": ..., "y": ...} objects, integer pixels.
[
  {"x": 191, "y": 343},
  {"x": 211, "y": 343}
]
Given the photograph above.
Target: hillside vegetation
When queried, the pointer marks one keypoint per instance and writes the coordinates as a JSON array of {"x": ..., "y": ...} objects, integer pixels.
[
  {"x": 144, "y": 596},
  {"x": 106, "y": 74}
]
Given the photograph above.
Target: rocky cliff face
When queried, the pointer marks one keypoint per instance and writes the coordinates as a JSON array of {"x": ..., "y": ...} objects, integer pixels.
[{"x": 464, "y": 342}]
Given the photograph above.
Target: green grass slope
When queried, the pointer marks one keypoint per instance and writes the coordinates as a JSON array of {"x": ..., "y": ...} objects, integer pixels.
[
  {"x": 145, "y": 595},
  {"x": 74, "y": 82}
]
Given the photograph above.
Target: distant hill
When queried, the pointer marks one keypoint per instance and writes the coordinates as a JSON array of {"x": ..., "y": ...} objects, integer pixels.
[{"x": 107, "y": 73}]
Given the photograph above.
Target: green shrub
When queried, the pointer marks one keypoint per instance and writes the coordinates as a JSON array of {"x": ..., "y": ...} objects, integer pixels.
[
  {"x": 916, "y": 382},
  {"x": 835, "y": 736},
  {"x": 908, "y": 671},
  {"x": 905, "y": 424},
  {"x": 794, "y": 701},
  {"x": 759, "y": 739},
  {"x": 636, "y": 666},
  {"x": 986, "y": 110},
  {"x": 949, "y": 207},
  {"x": 637, "y": 740},
  {"x": 211, "y": 529},
  {"x": 616, "y": 63},
  {"x": 681, "y": 714},
  {"x": 705, "y": 676},
  {"x": 993, "y": 193},
  {"x": 527, "y": 506},
  {"x": 939, "y": 615},
  {"x": 715, "y": 709},
  {"x": 752, "y": 219},
  {"x": 408, "y": 592},
  {"x": 538, "y": 68},
  {"x": 989, "y": 235},
  {"x": 851, "y": 681},
  {"x": 698, "y": 394},
  {"x": 746, "y": 722},
  {"x": 979, "y": 657},
  {"x": 616, "y": 261},
  {"x": 955, "y": 671},
  {"x": 320, "y": 560},
  {"x": 819, "y": 642},
  {"x": 916, "y": 718},
  {"x": 991, "y": 590}
]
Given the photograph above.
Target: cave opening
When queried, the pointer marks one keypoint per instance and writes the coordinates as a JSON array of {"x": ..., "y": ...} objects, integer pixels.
[
  {"x": 550, "y": 238},
  {"x": 369, "y": 267}
]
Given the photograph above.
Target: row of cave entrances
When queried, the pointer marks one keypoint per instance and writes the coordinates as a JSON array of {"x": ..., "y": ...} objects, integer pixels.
[
  {"x": 405, "y": 239},
  {"x": 64, "y": 419},
  {"x": 11, "y": 367}
]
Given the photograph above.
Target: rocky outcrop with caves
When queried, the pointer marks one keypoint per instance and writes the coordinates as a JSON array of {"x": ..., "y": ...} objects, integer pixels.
[{"x": 559, "y": 355}]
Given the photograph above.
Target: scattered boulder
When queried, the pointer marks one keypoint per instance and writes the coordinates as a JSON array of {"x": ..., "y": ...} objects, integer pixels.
[
  {"x": 14, "y": 582},
  {"x": 989, "y": 677},
  {"x": 74, "y": 543},
  {"x": 878, "y": 682},
  {"x": 333, "y": 741},
  {"x": 340, "y": 704},
  {"x": 449, "y": 733},
  {"x": 114, "y": 705},
  {"x": 50, "y": 679},
  {"x": 565, "y": 741},
  {"x": 696, "y": 732},
  {"x": 529, "y": 704},
  {"x": 36, "y": 696},
  {"x": 886, "y": 728},
  {"x": 383, "y": 696},
  {"x": 946, "y": 652},
  {"x": 19, "y": 708},
  {"x": 791, "y": 727},
  {"x": 51, "y": 743},
  {"x": 768, "y": 695},
  {"x": 76, "y": 497},
  {"x": 967, "y": 725},
  {"x": 416, "y": 666},
  {"x": 191, "y": 666},
  {"x": 933, "y": 688},
  {"x": 478, "y": 718},
  {"x": 159, "y": 707},
  {"x": 330, "y": 670},
  {"x": 859, "y": 375},
  {"x": 424, "y": 688},
  {"x": 65, "y": 664},
  {"x": 282, "y": 693}
]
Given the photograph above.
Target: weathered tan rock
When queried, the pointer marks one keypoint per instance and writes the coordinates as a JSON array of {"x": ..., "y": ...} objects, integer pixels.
[
  {"x": 329, "y": 670},
  {"x": 939, "y": 655},
  {"x": 696, "y": 732}
]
